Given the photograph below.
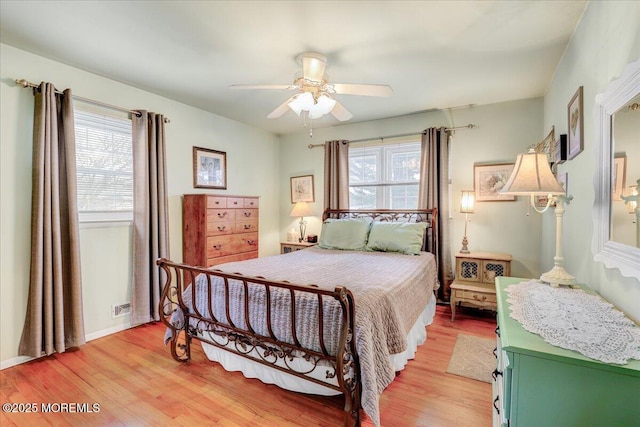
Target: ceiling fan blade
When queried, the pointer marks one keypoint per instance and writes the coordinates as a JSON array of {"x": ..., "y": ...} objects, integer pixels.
[
  {"x": 341, "y": 113},
  {"x": 269, "y": 87},
  {"x": 313, "y": 65},
  {"x": 283, "y": 108},
  {"x": 362, "y": 89}
]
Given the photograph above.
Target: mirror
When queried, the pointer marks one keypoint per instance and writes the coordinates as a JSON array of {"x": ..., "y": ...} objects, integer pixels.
[
  {"x": 625, "y": 173},
  {"x": 617, "y": 154}
]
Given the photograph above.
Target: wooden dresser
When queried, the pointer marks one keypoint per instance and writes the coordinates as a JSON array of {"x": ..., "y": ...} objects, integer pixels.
[
  {"x": 538, "y": 384},
  {"x": 218, "y": 229}
]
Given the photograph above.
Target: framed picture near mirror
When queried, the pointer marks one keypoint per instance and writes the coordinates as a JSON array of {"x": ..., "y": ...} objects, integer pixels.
[{"x": 576, "y": 125}]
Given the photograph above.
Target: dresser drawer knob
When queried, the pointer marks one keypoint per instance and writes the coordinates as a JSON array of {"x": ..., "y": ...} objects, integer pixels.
[
  {"x": 495, "y": 374},
  {"x": 251, "y": 242},
  {"x": 247, "y": 226},
  {"x": 222, "y": 214},
  {"x": 217, "y": 247},
  {"x": 247, "y": 214},
  {"x": 235, "y": 203},
  {"x": 222, "y": 227}
]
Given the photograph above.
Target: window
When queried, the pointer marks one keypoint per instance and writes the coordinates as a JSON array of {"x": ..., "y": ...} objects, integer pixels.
[
  {"x": 104, "y": 161},
  {"x": 384, "y": 176}
]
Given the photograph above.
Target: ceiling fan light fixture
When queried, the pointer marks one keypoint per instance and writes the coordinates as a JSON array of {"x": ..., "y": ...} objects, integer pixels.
[
  {"x": 302, "y": 102},
  {"x": 323, "y": 106},
  {"x": 314, "y": 108}
]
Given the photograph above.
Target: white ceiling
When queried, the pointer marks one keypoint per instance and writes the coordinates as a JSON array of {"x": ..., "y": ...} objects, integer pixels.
[{"x": 434, "y": 54}]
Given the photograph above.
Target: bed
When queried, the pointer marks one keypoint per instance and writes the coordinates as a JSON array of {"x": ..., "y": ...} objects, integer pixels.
[{"x": 340, "y": 318}]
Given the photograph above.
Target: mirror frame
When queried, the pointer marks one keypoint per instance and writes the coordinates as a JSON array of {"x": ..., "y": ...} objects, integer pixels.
[{"x": 613, "y": 254}]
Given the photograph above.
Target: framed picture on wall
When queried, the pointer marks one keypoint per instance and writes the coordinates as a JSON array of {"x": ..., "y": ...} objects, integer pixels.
[
  {"x": 302, "y": 189},
  {"x": 209, "y": 168},
  {"x": 576, "y": 125},
  {"x": 488, "y": 180}
]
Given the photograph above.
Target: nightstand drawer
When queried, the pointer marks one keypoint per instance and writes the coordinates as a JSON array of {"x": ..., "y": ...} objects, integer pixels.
[{"x": 479, "y": 297}]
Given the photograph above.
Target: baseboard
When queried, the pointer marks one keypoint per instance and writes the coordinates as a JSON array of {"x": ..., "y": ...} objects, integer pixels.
[
  {"x": 89, "y": 337},
  {"x": 15, "y": 361},
  {"x": 109, "y": 331}
]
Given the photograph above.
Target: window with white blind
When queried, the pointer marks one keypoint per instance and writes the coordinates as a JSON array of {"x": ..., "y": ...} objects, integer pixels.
[
  {"x": 384, "y": 176},
  {"x": 104, "y": 161}
]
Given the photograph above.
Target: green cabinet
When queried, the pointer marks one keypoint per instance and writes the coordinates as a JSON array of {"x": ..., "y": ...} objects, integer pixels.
[{"x": 537, "y": 384}]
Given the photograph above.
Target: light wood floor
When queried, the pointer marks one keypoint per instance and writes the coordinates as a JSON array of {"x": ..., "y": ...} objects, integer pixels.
[{"x": 133, "y": 378}]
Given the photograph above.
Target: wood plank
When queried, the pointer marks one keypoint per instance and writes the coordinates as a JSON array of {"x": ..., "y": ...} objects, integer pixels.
[{"x": 133, "y": 378}]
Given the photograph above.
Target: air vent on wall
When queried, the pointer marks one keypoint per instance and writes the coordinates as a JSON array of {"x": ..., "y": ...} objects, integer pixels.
[{"x": 120, "y": 310}]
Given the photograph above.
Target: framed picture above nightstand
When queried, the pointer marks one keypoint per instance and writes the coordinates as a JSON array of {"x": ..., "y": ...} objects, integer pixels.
[{"x": 288, "y": 247}]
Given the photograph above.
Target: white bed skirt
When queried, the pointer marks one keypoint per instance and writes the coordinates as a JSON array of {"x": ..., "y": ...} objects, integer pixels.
[{"x": 250, "y": 369}]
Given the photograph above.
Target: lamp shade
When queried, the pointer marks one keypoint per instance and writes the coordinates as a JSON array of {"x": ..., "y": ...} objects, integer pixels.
[
  {"x": 301, "y": 209},
  {"x": 532, "y": 176},
  {"x": 466, "y": 201}
]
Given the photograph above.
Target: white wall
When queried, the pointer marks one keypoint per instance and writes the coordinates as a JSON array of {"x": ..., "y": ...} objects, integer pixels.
[
  {"x": 252, "y": 162},
  {"x": 606, "y": 39},
  {"x": 502, "y": 131}
]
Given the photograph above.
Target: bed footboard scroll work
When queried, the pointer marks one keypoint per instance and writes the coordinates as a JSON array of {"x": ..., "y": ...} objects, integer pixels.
[{"x": 269, "y": 322}]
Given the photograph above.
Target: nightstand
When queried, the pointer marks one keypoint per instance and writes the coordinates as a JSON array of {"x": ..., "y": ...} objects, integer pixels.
[
  {"x": 288, "y": 247},
  {"x": 475, "y": 279}
]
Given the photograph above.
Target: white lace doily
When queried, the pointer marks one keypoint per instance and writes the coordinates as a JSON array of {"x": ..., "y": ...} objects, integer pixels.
[{"x": 575, "y": 320}]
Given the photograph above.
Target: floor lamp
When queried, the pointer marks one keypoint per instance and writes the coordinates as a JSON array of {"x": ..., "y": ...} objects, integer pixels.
[{"x": 532, "y": 177}]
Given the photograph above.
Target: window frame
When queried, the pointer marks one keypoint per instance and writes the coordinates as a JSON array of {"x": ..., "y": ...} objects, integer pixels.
[
  {"x": 103, "y": 218},
  {"x": 383, "y": 184}
]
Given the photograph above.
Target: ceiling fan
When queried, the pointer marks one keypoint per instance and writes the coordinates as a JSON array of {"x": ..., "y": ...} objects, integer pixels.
[{"x": 314, "y": 93}]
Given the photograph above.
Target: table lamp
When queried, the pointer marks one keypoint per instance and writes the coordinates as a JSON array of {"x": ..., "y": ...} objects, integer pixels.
[
  {"x": 532, "y": 177},
  {"x": 301, "y": 209},
  {"x": 466, "y": 207}
]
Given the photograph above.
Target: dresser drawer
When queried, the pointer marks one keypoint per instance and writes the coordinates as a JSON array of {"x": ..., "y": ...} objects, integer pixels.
[
  {"x": 251, "y": 202},
  {"x": 216, "y": 202},
  {"x": 246, "y": 226},
  {"x": 232, "y": 258},
  {"x": 235, "y": 202},
  {"x": 218, "y": 246},
  {"x": 246, "y": 214},
  {"x": 218, "y": 228},
  {"x": 221, "y": 215}
]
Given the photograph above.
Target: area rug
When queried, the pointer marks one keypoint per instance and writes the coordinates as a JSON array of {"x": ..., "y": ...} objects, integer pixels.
[{"x": 473, "y": 358}]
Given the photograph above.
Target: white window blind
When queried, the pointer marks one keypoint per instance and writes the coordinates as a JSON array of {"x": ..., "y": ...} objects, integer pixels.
[
  {"x": 104, "y": 161},
  {"x": 384, "y": 176}
]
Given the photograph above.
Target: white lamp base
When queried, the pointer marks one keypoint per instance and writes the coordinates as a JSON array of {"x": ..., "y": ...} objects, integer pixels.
[{"x": 558, "y": 276}]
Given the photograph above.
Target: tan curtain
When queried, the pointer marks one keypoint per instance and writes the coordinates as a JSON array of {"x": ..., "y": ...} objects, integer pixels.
[
  {"x": 54, "y": 319},
  {"x": 434, "y": 193},
  {"x": 150, "y": 215},
  {"x": 336, "y": 174}
]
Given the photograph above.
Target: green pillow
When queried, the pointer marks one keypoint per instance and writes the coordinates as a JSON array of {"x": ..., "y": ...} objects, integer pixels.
[
  {"x": 345, "y": 234},
  {"x": 397, "y": 237}
]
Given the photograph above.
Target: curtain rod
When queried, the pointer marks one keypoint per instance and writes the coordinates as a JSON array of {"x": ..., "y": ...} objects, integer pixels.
[
  {"x": 469, "y": 126},
  {"x": 25, "y": 84}
]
